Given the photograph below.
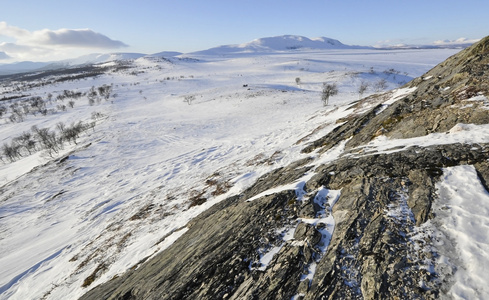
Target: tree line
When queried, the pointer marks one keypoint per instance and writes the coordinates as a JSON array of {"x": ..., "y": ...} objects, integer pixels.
[{"x": 51, "y": 141}]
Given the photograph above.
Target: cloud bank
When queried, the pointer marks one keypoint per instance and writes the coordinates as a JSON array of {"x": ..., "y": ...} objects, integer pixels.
[
  {"x": 459, "y": 41},
  {"x": 44, "y": 43},
  {"x": 3, "y": 55}
]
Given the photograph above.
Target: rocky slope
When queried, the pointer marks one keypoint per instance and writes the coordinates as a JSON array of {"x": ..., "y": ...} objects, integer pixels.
[{"x": 378, "y": 246}]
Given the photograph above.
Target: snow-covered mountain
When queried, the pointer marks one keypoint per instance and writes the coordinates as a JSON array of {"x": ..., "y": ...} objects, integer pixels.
[
  {"x": 281, "y": 43},
  {"x": 261, "y": 45},
  {"x": 95, "y": 58},
  {"x": 20, "y": 67},
  {"x": 166, "y": 54},
  {"x": 102, "y": 58}
]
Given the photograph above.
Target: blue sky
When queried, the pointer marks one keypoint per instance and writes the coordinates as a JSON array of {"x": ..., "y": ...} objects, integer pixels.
[{"x": 48, "y": 29}]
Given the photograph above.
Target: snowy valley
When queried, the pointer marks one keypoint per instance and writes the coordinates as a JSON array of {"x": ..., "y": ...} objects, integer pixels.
[{"x": 164, "y": 138}]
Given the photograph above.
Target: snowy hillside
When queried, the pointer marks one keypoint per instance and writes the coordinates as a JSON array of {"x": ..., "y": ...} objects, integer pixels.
[{"x": 169, "y": 138}]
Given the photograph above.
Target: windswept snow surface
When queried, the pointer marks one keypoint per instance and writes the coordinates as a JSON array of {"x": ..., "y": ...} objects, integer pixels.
[
  {"x": 125, "y": 191},
  {"x": 463, "y": 210}
]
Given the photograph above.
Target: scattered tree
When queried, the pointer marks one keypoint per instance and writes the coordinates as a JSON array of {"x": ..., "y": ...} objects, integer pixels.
[
  {"x": 362, "y": 88},
  {"x": 91, "y": 95},
  {"x": 11, "y": 152},
  {"x": 48, "y": 140},
  {"x": 61, "y": 126},
  {"x": 380, "y": 85},
  {"x": 72, "y": 132},
  {"x": 3, "y": 110},
  {"x": 104, "y": 91},
  {"x": 328, "y": 91},
  {"x": 297, "y": 80}
]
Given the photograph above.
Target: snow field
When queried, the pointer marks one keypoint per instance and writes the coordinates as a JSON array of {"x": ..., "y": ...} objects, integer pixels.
[
  {"x": 464, "y": 208},
  {"x": 128, "y": 184}
]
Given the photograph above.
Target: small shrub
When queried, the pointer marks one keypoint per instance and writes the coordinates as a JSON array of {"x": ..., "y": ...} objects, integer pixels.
[
  {"x": 189, "y": 99},
  {"x": 196, "y": 199}
]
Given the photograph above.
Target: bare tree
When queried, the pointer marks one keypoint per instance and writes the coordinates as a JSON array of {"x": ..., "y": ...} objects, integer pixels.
[
  {"x": 17, "y": 114},
  {"x": 104, "y": 91},
  {"x": 328, "y": 91},
  {"x": 380, "y": 85},
  {"x": 72, "y": 132},
  {"x": 91, "y": 95},
  {"x": 48, "y": 140},
  {"x": 362, "y": 88},
  {"x": 25, "y": 141},
  {"x": 61, "y": 126},
  {"x": 11, "y": 151},
  {"x": 297, "y": 80}
]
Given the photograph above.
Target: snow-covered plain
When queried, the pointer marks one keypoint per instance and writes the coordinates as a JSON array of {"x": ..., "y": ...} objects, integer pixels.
[{"x": 188, "y": 127}]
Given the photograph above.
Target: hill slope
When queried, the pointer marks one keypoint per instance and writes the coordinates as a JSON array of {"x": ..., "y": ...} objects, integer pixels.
[
  {"x": 103, "y": 166},
  {"x": 381, "y": 208}
]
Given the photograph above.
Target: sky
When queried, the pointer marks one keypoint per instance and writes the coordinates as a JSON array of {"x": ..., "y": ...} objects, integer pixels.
[{"x": 54, "y": 29}]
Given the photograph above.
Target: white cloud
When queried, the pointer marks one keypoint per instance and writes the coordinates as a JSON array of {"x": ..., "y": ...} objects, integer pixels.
[
  {"x": 3, "y": 55},
  {"x": 24, "y": 52},
  {"x": 42, "y": 44},
  {"x": 389, "y": 43},
  {"x": 74, "y": 38},
  {"x": 456, "y": 42},
  {"x": 12, "y": 31}
]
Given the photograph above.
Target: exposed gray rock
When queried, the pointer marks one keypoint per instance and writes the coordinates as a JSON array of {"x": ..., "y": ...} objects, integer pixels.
[{"x": 307, "y": 232}]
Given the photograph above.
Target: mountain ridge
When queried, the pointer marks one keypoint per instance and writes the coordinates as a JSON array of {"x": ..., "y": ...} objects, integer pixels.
[
  {"x": 281, "y": 43},
  {"x": 266, "y": 44}
]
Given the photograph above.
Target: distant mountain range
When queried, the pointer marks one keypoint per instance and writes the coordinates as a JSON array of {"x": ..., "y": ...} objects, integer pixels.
[
  {"x": 268, "y": 44},
  {"x": 96, "y": 58}
]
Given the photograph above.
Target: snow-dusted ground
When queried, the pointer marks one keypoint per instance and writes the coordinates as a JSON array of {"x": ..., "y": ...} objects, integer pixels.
[
  {"x": 129, "y": 183},
  {"x": 464, "y": 209}
]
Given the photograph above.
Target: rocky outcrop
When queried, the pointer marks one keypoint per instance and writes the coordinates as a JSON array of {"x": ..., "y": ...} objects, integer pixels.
[
  {"x": 384, "y": 199},
  {"x": 375, "y": 251}
]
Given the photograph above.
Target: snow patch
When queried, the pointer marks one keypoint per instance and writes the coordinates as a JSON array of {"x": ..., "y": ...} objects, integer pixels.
[
  {"x": 460, "y": 133},
  {"x": 399, "y": 94},
  {"x": 324, "y": 223},
  {"x": 465, "y": 218}
]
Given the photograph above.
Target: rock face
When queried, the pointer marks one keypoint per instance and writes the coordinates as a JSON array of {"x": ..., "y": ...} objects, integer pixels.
[{"x": 374, "y": 251}]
